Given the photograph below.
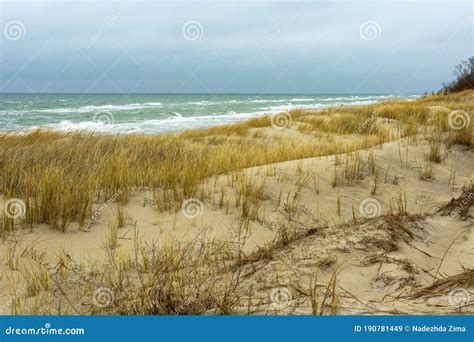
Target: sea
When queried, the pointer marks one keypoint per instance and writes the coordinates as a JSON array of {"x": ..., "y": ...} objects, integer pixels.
[{"x": 156, "y": 113}]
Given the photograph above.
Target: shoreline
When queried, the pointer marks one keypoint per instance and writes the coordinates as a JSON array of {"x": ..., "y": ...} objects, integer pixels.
[{"x": 103, "y": 121}]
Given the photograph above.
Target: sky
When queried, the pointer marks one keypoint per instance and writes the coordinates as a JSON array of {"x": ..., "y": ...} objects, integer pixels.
[{"x": 260, "y": 47}]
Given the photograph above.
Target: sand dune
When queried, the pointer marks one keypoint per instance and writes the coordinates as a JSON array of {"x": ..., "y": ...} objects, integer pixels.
[{"x": 385, "y": 229}]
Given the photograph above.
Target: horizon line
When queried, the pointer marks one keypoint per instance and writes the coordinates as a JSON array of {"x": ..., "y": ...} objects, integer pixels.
[{"x": 258, "y": 94}]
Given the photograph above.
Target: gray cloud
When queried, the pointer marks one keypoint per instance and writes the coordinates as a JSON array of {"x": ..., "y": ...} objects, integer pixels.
[{"x": 261, "y": 47}]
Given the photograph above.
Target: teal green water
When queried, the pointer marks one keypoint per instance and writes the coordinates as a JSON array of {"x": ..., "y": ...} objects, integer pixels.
[{"x": 153, "y": 113}]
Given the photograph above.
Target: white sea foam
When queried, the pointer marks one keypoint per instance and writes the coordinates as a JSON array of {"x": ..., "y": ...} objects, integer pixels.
[
  {"x": 209, "y": 103},
  {"x": 171, "y": 123},
  {"x": 173, "y": 116},
  {"x": 177, "y": 122},
  {"x": 108, "y": 108},
  {"x": 202, "y": 103},
  {"x": 281, "y": 100},
  {"x": 315, "y": 106}
]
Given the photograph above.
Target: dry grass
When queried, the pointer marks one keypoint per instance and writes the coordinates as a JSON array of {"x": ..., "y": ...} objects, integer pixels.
[
  {"x": 317, "y": 307},
  {"x": 202, "y": 276},
  {"x": 60, "y": 176},
  {"x": 460, "y": 205},
  {"x": 443, "y": 286},
  {"x": 173, "y": 279}
]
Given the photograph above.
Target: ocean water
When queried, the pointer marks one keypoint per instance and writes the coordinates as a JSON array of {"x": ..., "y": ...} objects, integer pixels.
[{"x": 154, "y": 113}]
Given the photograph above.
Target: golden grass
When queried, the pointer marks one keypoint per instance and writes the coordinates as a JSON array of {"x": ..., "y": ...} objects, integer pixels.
[{"x": 60, "y": 176}]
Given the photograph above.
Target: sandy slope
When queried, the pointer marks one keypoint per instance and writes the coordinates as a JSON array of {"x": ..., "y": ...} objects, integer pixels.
[{"x": 381, "y": 262}]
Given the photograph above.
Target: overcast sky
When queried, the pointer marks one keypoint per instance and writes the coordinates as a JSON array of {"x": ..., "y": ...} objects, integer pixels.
[{"x": 232, "y": 47}]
